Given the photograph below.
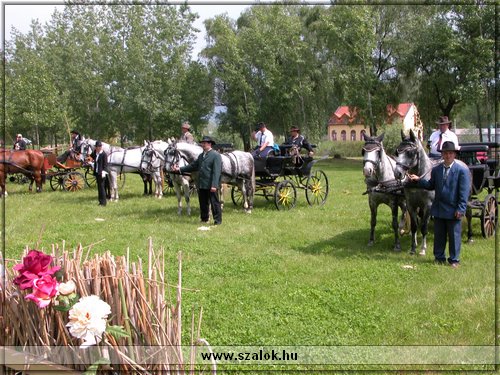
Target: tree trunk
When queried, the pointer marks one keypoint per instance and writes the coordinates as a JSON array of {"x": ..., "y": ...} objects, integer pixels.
[{"x": 479, "y": 123}]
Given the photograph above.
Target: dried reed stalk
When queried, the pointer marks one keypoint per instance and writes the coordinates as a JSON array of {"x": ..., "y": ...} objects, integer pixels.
[{"x": 137, "y": 303}]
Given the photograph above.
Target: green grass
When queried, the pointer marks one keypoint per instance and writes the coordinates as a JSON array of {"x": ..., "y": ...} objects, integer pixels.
[{"x": 301, "y": 277}]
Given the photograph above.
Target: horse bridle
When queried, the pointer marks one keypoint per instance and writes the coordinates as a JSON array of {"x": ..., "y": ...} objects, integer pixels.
[
  {"x": 370, "y": 147},
  {"x": 155, "y": 155},
  {"x": 404, "y": 147}
]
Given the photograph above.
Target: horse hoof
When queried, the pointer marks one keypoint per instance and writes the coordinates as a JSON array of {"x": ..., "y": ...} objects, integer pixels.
[
  {"x": 412, "y": 252},
  {"x": 470, "y": 240},
  {"x": 370, "y": 244},
  {"x": 397, "y": 249},
  {"x": 422, "y": 252}
]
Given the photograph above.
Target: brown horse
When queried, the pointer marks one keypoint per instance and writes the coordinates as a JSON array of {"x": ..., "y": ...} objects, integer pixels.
[{"x": 27, "y": 162}]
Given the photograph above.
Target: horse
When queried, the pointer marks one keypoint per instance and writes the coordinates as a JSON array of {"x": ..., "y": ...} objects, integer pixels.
[
  {"x": 237, "y": 168},
  {"x": 28, "y": 162},
  {"x": 87, "y": 146},
  {"x": 182, "y": 182},
  {"x": 411, "y": 158},
  {"x": 382, "y": 186},
  {"x": 152, "y": 162}
]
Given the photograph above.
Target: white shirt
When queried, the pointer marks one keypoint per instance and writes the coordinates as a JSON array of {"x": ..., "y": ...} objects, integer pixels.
[
  {"x": 262, "y": 138},
  {"x": 448, "y": 136}
]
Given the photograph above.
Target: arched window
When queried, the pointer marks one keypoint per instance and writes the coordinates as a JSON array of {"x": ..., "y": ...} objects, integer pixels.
[
  {"x": 362, "y": 134},
  {"x": 343, "y": 135},
  {"x": 353, "y": 135},
  {"x": 334, "y": 135}
]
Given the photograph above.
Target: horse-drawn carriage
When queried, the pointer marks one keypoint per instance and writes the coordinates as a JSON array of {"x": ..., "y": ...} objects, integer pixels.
[
  {"x": 72, "y": 176},
  {"x": 278, "y": 178},
  {"x": 485, "y": 177}
]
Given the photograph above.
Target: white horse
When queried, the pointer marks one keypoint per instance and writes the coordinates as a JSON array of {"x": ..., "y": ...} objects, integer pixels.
[
  {"x": 152, "y": 163},
  {"x": 183, "y": 183},
  {"x": 120, "y": 161},
  {"x": 237, "y": 168},
  {"x": 382, "y": 186}
]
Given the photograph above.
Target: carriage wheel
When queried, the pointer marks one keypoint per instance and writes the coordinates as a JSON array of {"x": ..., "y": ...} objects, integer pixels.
[
  {"x": 317, "y": 188},
  {"x": 90, "y": 178},
  {"x": 237, "y": 196},
  {"x": 285, "y": 195},
  {"x": 168, "y": 185},
  {"x": 489, "y": 216},
  {"x": 74, "y": 181},
  {"x": 56, "y": 182}
]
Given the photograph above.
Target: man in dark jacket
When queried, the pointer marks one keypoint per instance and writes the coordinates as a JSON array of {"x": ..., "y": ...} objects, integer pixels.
[
  {"x": 452, "y": 183},
  {"x": 100, "y": 171},
  {"x": 296, "y": 139},
  {"x": 209, "y": 166},
  {"x": 20, "y": 143},
  {"x": 76, "y": 141}
]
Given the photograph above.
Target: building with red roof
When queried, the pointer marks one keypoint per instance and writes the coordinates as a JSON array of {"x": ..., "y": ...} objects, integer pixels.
[{"x": 345, "y": 124}]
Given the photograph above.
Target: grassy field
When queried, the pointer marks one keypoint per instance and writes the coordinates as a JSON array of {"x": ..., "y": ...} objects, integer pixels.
[{"x": 302, "y": 277}]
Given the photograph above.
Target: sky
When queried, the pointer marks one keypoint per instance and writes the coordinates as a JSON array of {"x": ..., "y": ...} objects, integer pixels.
[{"x": 19, "y": 14}]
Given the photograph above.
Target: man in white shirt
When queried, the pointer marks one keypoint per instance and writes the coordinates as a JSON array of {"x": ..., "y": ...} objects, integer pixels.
[
  {"x": 265, "y": 141},
  {"x": 440, "y": 136}
]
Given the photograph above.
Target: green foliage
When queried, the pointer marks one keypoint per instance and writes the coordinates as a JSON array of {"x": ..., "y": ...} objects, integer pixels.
[
  {"x": 117, "y": 332},
  {"x": 300, "y": 277}
]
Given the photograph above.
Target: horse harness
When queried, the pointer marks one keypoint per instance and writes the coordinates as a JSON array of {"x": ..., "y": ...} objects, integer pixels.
[
  {"x": 155, "y": 155},
  {"x": 406, "y": 147}
]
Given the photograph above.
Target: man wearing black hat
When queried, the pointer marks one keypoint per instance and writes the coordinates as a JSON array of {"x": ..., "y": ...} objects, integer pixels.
[
  {"x": 297, "y": 139},
  {"x": 20, "y": 143},
  {"x": 100, "y": 171},
  {"x": 452, "y": 183},
  {"x": 440, "y": 136},
  {"x": 76, "y": 141},
  {"x": 209, "y": 167}
]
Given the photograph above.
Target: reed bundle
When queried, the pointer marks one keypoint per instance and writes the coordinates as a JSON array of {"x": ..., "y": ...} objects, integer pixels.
[{"x": 141, "y": 301}]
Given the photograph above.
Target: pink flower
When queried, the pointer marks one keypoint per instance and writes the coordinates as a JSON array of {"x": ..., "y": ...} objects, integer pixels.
[
  {"x": 35, "y": 265},
  {"x": 44, "y": 289}
]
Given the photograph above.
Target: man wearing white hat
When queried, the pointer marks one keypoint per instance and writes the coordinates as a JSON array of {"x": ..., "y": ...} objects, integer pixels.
[{"x": 186, "y": 135}]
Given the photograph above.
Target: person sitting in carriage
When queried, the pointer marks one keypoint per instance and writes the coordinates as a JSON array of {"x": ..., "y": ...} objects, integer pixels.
[
  {"x": 265, "y": 141},
  {"x": 76, "y": 140},
  {"x": 20, "y": 143},
  {"x": 297, "y": 141}
]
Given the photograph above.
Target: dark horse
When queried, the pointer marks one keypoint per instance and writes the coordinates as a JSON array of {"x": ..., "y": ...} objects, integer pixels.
[
  {"x": 412, "y": 158},
  {"x": 27, "y": 162},
  {"x": 382, "y": 186}
]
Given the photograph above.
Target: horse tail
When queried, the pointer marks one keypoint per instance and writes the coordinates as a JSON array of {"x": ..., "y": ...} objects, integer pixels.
[{"x": 252, "y": 181}]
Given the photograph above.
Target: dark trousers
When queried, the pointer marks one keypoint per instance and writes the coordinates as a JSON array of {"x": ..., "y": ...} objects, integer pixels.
[
  {"x": 207, "y": 199},
  {"x": 101, "y": 189},
  {"x": 447, "y": 230}
]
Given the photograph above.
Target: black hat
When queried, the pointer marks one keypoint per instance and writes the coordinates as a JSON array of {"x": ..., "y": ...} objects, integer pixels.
[
  {"x": 74, "y": 132},
  {"x": 295, "y": 129},
  {"x": 450, "y": 146},
  {"x": 98, "y": 144},
  {"x": 207, "y": 139}
]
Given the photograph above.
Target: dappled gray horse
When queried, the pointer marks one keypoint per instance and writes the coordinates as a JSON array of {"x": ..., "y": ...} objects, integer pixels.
[
  {"x": 153, "y": 162},
  {"x": 182, "y": 182},
  {"x": 411, "y": 158},
  {"x": 382, "y": 186},
  {"x": 237, "y": 168}
]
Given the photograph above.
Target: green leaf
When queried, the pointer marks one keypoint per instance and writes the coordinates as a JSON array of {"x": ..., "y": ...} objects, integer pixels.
[
  {"x": 92, "y": 370},
  {"x": 117, "y": 331}
]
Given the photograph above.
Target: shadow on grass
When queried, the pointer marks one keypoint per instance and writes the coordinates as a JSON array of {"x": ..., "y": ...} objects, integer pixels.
[{"x": 354, "y": 242}]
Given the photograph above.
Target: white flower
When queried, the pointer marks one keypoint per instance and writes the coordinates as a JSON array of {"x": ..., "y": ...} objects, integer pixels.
[
  {"x": 66, "y": 288},
  {"x": 87, "y": 320}
]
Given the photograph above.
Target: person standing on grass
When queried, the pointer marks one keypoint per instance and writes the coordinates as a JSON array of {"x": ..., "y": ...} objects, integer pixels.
[
  {"x": 209, "y": 165},
  {"x": 100, "y": 171},
  {"x": 452, "y": 183}
]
